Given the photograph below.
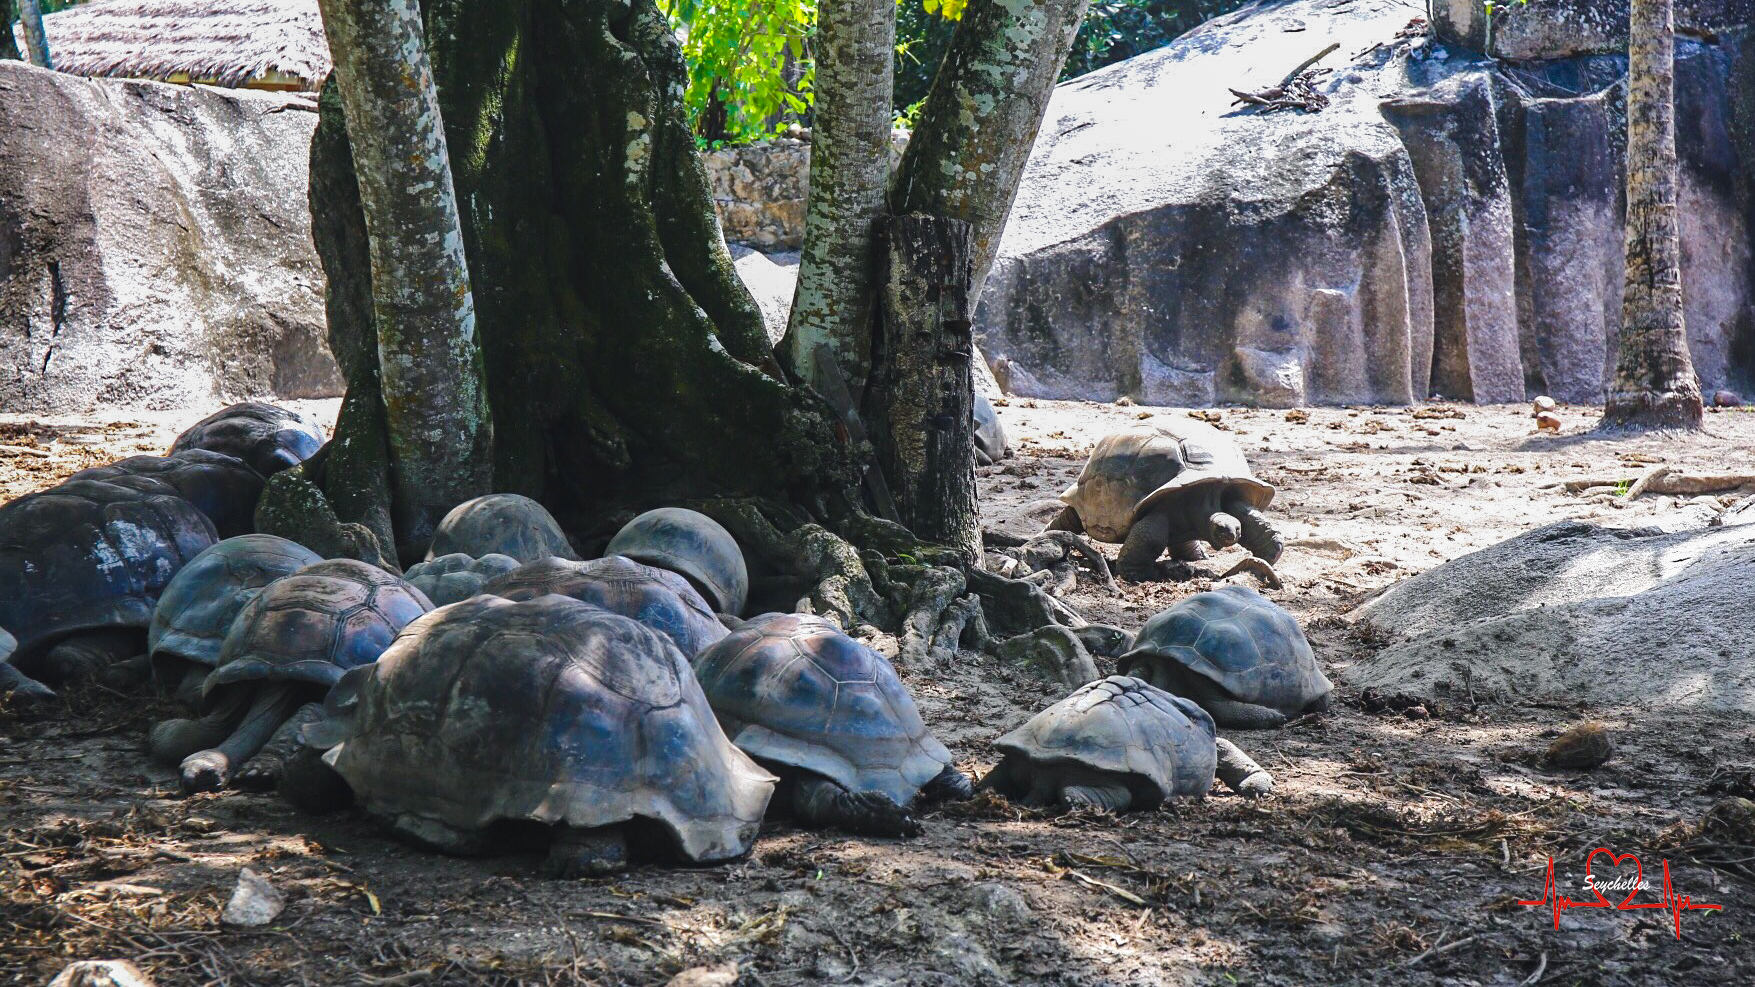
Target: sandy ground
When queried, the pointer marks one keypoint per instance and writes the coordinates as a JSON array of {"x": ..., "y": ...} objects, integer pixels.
[{"x": 1396, "y": 850}]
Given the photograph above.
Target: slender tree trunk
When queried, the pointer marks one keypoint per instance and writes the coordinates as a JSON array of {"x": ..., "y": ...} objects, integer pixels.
[
  {"x": 430, "y": 369},
  {"x": 1654, "y": 384},
  {"x": 8, "y": 45},
  {"x": 849, "y": 174},
  {"x": 981, "y": 117},
  {"x": 922, "y": 384},
  {"x": 36, "y": 43}
]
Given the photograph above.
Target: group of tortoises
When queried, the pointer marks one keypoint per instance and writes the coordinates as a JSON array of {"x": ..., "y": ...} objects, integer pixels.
[{"x": 618, "y": 706}]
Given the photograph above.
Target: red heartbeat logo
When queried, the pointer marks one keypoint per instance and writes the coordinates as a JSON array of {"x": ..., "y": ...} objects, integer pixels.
[{"x": 1671, "y": 902}]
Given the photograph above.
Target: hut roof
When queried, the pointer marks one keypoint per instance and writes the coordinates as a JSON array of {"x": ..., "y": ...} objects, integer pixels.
[{"x": 226, "y": 42}]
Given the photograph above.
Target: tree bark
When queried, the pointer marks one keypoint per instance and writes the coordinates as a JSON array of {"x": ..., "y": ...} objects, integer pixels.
[
  {"x": 922, "y": 386},
  {"x": 8, "y": 44},
  {"x": 626, "y": 366},
  {"x": 849, "y": 175},
  {"x": 429, "y": 366},
  {"x": 982, "y": 115},
  {"x": 1654, "y": 384},
  {"x": 36, "y": 42}
]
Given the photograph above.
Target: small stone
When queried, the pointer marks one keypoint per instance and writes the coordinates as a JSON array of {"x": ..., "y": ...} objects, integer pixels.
[
  {"x": 718, "y": 975},
  {"x": 101, "y": 973},
  {"x": 1298, "y": 416},
  {"x": 1124, "y": 401},
  {"x": 1547, "y": 421},
  {"x": 1726, "y": 399},
  {"x": 1583, "y": 747},
  {"x": 1543, "y": 403},
  {"x": 254, "y": 903},
  {"x": 1001, "y": 902}
]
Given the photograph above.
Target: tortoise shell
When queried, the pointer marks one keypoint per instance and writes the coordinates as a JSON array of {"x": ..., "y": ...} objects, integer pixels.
[
  {"x": 693, "y": 544},
  {"x": 197, "y": 607},
  {"x": 1134, "y": 470},
  {"x": 314, "y": 625},
  {"x": 990, "y": 437},
  {"x": 266, "y": 437},
  {"x": 1238, "y": 640},
  {"x": 1162, "y": 744},
  {"x": 91, "y": 554},
  {"x": 549, "y": 710},
  {"x": 658, "y": 598},
  {"x": 500, "y": 524},
  {"x": 792, "y": 690},
  {"x": 222, "y": 487},
  {"x": 450, "y": 578}
]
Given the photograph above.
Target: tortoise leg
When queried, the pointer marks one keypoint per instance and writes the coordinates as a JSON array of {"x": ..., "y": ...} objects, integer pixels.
[
  {"x": 1067, "y": 520},
  {"x": 587, "y": 852},
  {"x": 821, "y": 804},
  {"x": 1258, "y": 534},
  {"x": 312, "y": 785},
  {"x": 1093, "y": 795},
  {"x": 210, "y": 770},
  {"x": 1146, "y": 540},
  {"x": 262, "y": 772},
  {"x": 127, "y": 675},
  {"x": 1240, "y": 773},
  {"x": 435, "y": 835},
  {"x": 83, "y": 656},
  {"x": 173, "y": 740},
  {"x": 188, "y": 690},
  {"x": 1189, "y": 551},
  {"x": 21, "y": 692},
  {"x": 1235, "y": 715},
  {"x": 949, "y": 785}
]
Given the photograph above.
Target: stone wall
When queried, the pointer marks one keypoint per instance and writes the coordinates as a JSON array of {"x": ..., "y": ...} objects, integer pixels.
[
  {"x": 760, "y": 189},
  {"x": 155, "y": 246}
]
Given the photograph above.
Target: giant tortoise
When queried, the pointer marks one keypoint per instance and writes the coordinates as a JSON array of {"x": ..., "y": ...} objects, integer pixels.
[
  {"x": 545, "y": 711},
  {"x": 1240, "y": 656},
  {"x": 286, "y": 648},
  {"x": 692, "y": 544},
  {"x": 500, "y": 524},
  {"x": 1174, "y": 485},
  {"x": 266, "y": 437},
  {"x": 658, "y": 598},
  {"x": 832, "y": 718}
]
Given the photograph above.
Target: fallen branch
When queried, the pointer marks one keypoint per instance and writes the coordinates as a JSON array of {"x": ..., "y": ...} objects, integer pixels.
[{"x": 1663, "y": 480}]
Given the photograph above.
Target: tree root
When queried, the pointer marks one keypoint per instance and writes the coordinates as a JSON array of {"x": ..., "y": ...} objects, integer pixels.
[
  {"x": 1014, "y": 606},
  {"x": 294, "y": 507},
  {"x": 840, "y": 587},
  {"x": 1053, "y": 652}
]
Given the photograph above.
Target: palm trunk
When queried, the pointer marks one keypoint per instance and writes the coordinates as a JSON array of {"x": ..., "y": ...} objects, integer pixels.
[
  {"x": 982, "y": 115},
  {"x": 36, "y": 43},
  {"x": 430, "y": 370},
  {"x": 8, "y": 45},
  {"x": 1654, "y": 384},
  {"x": 849, "y": 174}
]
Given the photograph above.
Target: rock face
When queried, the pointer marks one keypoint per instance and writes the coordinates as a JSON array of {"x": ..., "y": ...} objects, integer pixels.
[
  {"x": 760, "y": 190},
  {"x": 155, "y": 247},
  {"x": 1577, "y": 613},
  {"x": 1549, "y": 29},
  {"x": 1448, "y": 225}
]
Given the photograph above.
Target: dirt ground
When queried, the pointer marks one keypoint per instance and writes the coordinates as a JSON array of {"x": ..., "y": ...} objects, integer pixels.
[{"x": 1395, "y": 850}]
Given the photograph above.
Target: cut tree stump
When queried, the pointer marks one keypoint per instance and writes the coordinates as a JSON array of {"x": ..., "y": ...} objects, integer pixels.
[{"x": 921, "y": 397}]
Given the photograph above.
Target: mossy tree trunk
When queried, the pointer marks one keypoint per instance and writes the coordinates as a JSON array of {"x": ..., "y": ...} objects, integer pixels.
[
  {"x": 8, "y": 45},
  {"x": 1654, "y": 384},
  {"x": 625, "y": 364},
  {"x": 982, "y": 115},
  {"x": 849, "y": 174},
  {"x": 36, "y": 41},
  {"x": 436, "y": 426}
]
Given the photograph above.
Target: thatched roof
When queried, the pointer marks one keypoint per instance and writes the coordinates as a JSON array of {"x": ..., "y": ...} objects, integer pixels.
[{"x": 221, "y": 42}]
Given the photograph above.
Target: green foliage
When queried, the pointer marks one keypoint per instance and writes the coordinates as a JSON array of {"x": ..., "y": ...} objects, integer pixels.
[
  {"x": 1116, "y": 30},
  {"x": 750, "y": 65}
]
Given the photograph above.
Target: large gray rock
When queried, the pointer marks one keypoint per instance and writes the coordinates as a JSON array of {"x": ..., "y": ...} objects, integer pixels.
[
  {"x": 155, "y": 247},
  {"x": 1550, "y": 29},
  {"x": 1447, "y": 225},
  {"x": 1576, "y": 613}
]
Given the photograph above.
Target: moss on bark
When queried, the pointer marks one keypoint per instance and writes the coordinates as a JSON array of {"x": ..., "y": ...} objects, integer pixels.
[{"x": 626, "y": 364}]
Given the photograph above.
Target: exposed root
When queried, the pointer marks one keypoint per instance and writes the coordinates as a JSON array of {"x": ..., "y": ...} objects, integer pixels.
[
  {"x": 293, "y": 507},
  {"x": 1015, "y": 607},
  {"x": 1260, "y": 569},
  {"x": 964, "y": 624},
  {"x": 932, "y": 590},
  {"x": 1055, "y": 653},
  {"x": 840, "y": 587}
]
